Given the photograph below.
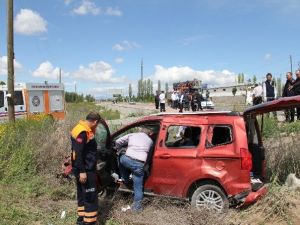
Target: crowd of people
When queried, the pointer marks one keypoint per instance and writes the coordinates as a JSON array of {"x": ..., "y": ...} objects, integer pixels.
[
  {"x": 267, "y": 92},
  {"x": 182, "y": 100}
]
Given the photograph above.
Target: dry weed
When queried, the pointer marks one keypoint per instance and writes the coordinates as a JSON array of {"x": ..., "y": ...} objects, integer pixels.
[{"x": 161, "y": 211}]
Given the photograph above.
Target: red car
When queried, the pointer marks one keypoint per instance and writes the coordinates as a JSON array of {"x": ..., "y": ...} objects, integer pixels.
[{"x": 206, "y": 158}]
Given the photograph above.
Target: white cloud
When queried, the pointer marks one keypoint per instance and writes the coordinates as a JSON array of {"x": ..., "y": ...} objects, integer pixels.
[
  {"x": 48, "y": 71},
  {"x": 3, "y": 65},
  {"x": 99, "y": 71},
  {"x": 87, "y": 7},
  {"x": 267, "y": 57},
  {"x": 195, "y": 38},
  {"x": 119, "y": 60},
  {"x": 67, "y": 2},
  {"x": 284, "y": 6},
  {"x": 29, "y": 22},
  {"x": 113, "y": 12},
  {"x": 180, "y": 73},
  {"x": 126, "y": 45}
]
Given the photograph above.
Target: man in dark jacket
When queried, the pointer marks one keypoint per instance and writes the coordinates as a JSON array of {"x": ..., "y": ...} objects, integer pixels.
[
  {"x": 288, "y": 92},
  {"x": 156, "y": 99},
  {"x": 84, "y": 160},
  {"x": 296, "y": 89}
]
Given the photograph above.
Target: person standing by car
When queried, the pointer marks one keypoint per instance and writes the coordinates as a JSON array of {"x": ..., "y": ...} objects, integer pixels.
[
  {"x": 162, "y": 101},
  {"x": 156, "y": 99},
  {"x": 269, "y": 89},
  {"x": 133, "y": 161},
  {"x": 296, "y": 89},
  {"x": 257, "y": 94},
  {"x": 173, "y": 98},
  {"x": 84, "y": 160},
  {"x": 199, "y": 99},
  {"x": 288, "y": 92},
  {"x": 181, "y": 101}
]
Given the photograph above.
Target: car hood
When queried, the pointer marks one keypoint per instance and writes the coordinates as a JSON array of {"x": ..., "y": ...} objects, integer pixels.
[{"x": 276, "y": 105}]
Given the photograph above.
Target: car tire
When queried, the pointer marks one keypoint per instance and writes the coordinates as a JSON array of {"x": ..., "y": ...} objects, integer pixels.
[{"x": 210, "y": 196}]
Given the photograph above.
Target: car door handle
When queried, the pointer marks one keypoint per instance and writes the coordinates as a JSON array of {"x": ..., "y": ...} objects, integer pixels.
[{"x": 165, "y": 156}]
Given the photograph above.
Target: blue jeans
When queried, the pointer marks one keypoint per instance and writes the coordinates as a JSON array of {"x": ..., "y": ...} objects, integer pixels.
[{"x": 128, "y": 166}]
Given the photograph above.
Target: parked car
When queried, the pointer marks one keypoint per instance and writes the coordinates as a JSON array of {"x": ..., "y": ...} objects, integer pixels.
[
  {"x": 207, "y": 104},
  {"x": 213, "y": 170}
]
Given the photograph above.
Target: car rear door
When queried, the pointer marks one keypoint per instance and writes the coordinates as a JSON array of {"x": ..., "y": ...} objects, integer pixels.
[{"x": 276, "y": 105}]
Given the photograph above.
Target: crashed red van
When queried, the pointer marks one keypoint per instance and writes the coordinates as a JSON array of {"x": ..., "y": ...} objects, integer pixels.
[{"x": 215, "y": 168}]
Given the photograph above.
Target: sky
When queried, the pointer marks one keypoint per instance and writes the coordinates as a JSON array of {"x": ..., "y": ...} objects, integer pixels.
[{"x": 99, "y": 44}]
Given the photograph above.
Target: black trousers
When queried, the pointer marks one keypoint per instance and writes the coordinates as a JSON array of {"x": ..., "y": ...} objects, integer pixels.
[
  {"x": 156, "y": 104},
  {"x": 180, "y": 107},
  {"x": 87, "y": 198},
  {"x": 257, "y": 100},
  {"x": 162, "y": 107},
  {"x": 290, "y": 115}
]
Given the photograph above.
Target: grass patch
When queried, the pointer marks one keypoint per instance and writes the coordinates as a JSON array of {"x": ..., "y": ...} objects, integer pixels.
[
  {"x": 77, "y": 111},
  {"x": 272, "y": 128}
]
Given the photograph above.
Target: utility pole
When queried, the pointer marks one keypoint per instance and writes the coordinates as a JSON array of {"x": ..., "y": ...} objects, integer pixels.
[
  {"x": 10, "y": 61},
  {"x": 60, "y": 75},
  {"x": 291, "y": 62},
  {"x": 142, "y": 70}
]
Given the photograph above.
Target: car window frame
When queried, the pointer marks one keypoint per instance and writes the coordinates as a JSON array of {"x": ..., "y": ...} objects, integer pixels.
[
  {"x": 224, "y": 144},
  {"x": 182, "y": 147},
  {"x": 2, "y": 97}
]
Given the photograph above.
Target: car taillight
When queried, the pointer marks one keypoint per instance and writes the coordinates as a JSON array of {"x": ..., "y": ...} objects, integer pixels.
[{"x": 246, "y": 159}]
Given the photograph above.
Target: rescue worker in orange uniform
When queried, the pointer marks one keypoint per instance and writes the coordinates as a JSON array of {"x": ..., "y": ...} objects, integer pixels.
[{"x": 84, "y": 160}]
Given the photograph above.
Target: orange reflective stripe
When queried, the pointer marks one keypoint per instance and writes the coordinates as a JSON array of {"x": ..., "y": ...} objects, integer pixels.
[
  {"x": 80, "y": 208},
  {"x": 91, "y": 214},
  {"x": 81, "y": 213},
  {"x": 74, "y": 157},
  {"x": 90, "y": 220}
]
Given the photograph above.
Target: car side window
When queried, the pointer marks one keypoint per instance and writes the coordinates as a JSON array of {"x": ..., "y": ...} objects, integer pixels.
[
  {"x": 19, "y": 98},
  {"x": 218, "y": 135},
  {"x": 182, "y": 136},
  {"x": 1, "y": 99}
]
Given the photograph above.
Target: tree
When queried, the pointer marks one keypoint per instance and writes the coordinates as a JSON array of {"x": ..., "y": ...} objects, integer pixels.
[
  {"x": 239, "y": 78},
  {"x": 166, "y": 87},
  {"x": 130, "y": 91},
  {"x": 73, "y": 97},
  {"x": 279, "y": 86},
  {"x": 234, "y": 90},
  {"x": 254, "y": 79},
  {"x": 90, "y": 98},
  {"x": 242, "y": 78},
  {"x": 140, "y": 89},
  {"x": 2, "y": 82},
  {"x": 158, "y": 86}
]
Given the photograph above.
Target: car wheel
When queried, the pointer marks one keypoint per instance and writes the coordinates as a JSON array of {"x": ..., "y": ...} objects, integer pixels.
[{"x": 211, "y": 197}]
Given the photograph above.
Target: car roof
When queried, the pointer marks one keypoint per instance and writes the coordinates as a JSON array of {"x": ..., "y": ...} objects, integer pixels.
[
  {"x": 193, "y": 116},
  {"x": 162, "y": 116},
  {"x": 202, "y": 113}
]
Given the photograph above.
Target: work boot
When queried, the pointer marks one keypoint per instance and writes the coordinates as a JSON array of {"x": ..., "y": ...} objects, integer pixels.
[{"x": 80, "y": 221}]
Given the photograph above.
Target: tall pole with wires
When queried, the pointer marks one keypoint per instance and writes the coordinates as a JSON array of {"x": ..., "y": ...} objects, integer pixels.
[
  {"x": 10, "y": 61},
  {"x": 291, "y": 62}
]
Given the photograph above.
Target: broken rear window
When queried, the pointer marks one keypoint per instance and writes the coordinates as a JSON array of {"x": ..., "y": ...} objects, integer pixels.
[{"x": 218, "y": 135}]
